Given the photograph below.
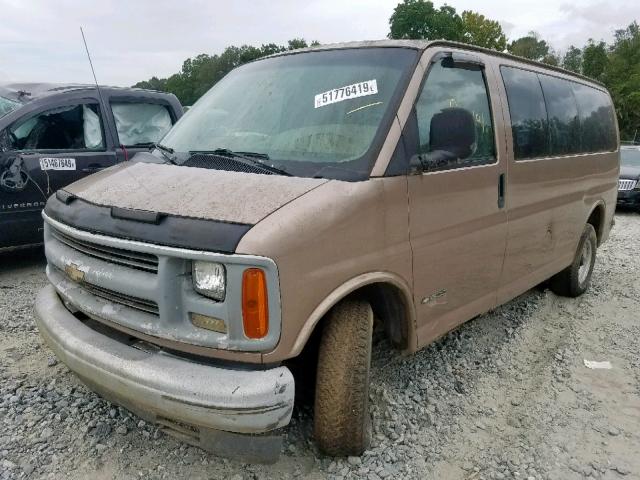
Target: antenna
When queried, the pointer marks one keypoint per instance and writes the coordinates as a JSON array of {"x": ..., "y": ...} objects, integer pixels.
[{"x": 92, "y": 70}]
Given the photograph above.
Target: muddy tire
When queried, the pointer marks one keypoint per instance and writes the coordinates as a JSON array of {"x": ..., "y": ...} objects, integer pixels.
[
  {"x": 342, "y": 424},
  {"x": 574, "y": 280}
]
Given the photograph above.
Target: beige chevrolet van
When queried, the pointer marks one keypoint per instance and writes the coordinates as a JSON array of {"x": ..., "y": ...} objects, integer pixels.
[{"x": 307, "y": 198}]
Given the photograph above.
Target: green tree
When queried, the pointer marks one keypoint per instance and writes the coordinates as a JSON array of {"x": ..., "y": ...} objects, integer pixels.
[
  {"x": 531, "y": 47},
  {"x": 622, "y": 76},
  {"x": 419, "y": 19},
  {"x": 154, "y": 83},
  {"x": 479, "y": 30},
  {"x": 594, "y": 59},
  {"x": 296, "y": 43},
  {"x": 572, "y": 59},
  {"x": 200, "y": 73},
  {"x": 552, "y": 58}
]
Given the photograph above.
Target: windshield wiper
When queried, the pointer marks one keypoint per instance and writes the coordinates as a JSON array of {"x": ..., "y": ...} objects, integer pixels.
[
  {"x": 249, "y": 158},
  {"x": 167, "y": 152},
  {"x": 264, "y": 156}
]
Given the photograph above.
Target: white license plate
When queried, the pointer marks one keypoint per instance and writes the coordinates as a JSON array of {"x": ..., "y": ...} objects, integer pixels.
[
  {"x": 340, "y": 94},
  {"x": 47, "y": 163}
]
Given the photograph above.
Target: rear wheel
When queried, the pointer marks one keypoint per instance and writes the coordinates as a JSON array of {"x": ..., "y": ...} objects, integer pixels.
[
  {"x": 574, "y": 280},
  {"x": 342, "y": 424}
]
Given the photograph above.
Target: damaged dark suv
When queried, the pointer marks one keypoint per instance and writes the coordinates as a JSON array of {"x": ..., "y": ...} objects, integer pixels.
[{"x": 52, "y": 135}]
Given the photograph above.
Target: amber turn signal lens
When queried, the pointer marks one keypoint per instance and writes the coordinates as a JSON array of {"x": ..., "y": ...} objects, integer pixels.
[{"x": 255, "y": 308}]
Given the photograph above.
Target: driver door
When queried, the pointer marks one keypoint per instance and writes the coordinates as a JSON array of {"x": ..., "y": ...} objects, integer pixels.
[
  {"x": 458, "y": 222},
  {"x": 49, "y": 149}
]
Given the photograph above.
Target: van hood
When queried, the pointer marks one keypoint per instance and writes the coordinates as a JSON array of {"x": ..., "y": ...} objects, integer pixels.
[
  {"x": 184, "y": 207},
  {"x": 628, "y": 171},
  {"x": 192, "y": 192}
]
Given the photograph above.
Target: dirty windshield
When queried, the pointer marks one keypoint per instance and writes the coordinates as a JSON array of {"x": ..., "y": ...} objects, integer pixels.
[
  {"x": 308, "y": 114},
  {"x": 7, "y": 106}
]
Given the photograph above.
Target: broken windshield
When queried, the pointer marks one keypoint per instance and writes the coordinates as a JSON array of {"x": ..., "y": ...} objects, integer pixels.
[
  {"x": 310, "y": 114},
  {"x": 7, "y": 106}
]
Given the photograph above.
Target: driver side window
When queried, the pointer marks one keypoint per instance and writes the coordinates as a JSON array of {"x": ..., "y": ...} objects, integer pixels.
[
  {"x": 73, "y": 127},
  {"x": 454, "y": 117}
]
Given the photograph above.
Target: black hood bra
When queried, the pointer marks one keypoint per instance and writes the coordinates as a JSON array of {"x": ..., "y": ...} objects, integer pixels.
[{"x": 145, "y": 226}]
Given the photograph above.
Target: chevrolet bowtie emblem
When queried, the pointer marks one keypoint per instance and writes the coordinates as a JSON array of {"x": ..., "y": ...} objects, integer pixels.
[{"x": 74, "y": 273}]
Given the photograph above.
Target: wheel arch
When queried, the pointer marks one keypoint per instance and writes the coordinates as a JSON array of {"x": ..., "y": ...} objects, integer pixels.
[
  {"x": 596, "y": 218},
  {"x": 390, "y": 298}
]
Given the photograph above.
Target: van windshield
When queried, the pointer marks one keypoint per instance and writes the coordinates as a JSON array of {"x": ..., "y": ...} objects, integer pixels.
[
  {"x": 310, "y": 114},
  {"x": 630, "y": 158},
  {"x": 7, "y": 106}
]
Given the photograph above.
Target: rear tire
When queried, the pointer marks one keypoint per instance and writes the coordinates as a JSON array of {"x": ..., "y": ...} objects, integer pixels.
[
  {"x": 574, "y": 280},
  {"x": 342, "y": 424}
]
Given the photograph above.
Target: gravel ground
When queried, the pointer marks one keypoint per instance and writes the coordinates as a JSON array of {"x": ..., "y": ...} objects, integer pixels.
[{"x": 505, "y": 396}]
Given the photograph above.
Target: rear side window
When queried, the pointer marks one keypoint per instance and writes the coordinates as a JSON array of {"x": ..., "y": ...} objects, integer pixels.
[
  {"x": 598, "y": 132},
  {"x": 449, "y": 94},
  {"x": 564, "y": 119},
  {"x": 552, "y": 116},
  {"x": 141, "y": 124},
  {"x": 528, "y": 113},
  {"x": 73, "y": 127}
]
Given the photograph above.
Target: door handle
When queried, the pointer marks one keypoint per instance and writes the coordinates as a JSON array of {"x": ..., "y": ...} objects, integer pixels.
[
  {"x": 501, "y": 187},
  {"x": 94, "y": 167}
]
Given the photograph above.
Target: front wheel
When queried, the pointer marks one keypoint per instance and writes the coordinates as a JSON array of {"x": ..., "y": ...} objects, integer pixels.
[
  {"x": 574, "y": 280},
  {"x": 342, "y": 424}
]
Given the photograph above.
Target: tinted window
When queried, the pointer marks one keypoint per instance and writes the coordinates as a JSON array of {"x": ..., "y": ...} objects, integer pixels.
[
  {"x": 598, "y": 129},
  {"x": 141, "y": 124},
  {"x": 562, "y": 110},
  {"x": 528, "y": 113},
  {"x": 451, "y": 95},
  {"x": 74, "y": 127}
]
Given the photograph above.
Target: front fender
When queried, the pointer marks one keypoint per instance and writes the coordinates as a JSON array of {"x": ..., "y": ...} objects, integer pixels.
[{"x": 351, "y": 286}]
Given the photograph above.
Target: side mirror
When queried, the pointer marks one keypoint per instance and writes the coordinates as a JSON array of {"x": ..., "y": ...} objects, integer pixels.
[{"x": 452, "y": 137}]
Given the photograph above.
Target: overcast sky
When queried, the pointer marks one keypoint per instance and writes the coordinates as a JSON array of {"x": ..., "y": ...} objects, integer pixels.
[{"x": 136, "y": 39}]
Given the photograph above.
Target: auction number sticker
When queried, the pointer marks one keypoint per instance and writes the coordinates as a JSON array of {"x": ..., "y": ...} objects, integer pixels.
[
  {"x": 362, "y": 89},
  {"x": 50, "y": 163}
]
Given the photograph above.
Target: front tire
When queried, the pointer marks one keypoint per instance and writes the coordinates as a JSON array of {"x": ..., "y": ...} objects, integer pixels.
[
  {"x": 574, "y": 280},
  {"x": 342, "y": 423}
]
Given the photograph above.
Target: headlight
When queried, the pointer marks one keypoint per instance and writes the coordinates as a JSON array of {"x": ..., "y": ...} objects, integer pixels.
[{"x": 209, "y": 279}]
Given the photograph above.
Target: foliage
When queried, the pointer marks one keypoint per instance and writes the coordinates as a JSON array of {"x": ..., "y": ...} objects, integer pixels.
[
  {"x": 572, "y": 59},
  {"x": 622, "y": 76},
  {"x": 594, "y": 59},
  {"x": 552, "y": 58},
  {"x": 200, "y": 73},
  {"x": 479, "y": 30},
  {"x": 616, "y": 65},
  {"x": 419, "y": 19},
  {"x": 531, "y": 47}
]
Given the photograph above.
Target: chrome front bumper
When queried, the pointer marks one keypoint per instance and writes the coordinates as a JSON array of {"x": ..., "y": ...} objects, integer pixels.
[{"x": 202, "y": 404}]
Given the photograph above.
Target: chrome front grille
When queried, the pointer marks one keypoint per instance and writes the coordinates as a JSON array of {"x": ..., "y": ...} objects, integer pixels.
[
  {"x": 147, "y": 288},
  {"x": 122, "y": 299},
  {"x": 127, "y": 258},
  {"x": 625, "y": 184}
]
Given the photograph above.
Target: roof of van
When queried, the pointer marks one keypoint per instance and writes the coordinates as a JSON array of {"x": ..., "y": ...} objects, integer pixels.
[
  {"x": 25, "y": 92},
  {"x": 424, "y": 44}
]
